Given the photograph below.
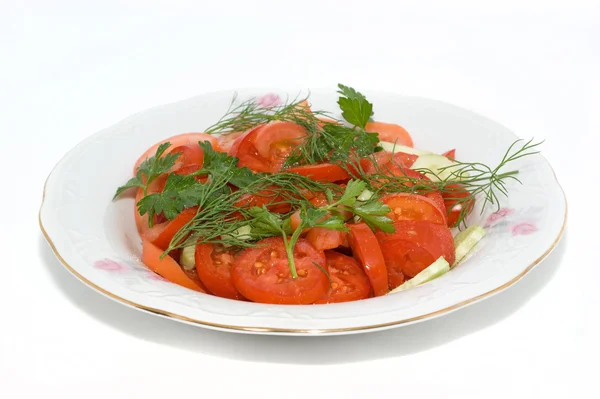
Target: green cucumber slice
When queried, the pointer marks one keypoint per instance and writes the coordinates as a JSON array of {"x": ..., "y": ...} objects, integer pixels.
[
  {"x": 433, "y": 271},
  {"x": 393, "y": 147},
  {"x": 188, "y": 257},
  {"x": 466, "y": 240},
  {"x": 435, "y": 163}
]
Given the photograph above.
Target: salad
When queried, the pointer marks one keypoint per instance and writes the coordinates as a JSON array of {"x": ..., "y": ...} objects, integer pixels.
[{"x": 285, "y": 204}]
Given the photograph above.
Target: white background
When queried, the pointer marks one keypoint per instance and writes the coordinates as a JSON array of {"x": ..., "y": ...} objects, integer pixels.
[{"x": 70, "y": 68}]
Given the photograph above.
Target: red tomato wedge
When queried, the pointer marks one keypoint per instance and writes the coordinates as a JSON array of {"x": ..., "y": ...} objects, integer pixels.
[
  {"x": 226, "y": 141},
  {"x": 397, "y": 164},
  {"x": 162, "y": 234},
  {"x": 406, "y": 206},
  {"x": 454, "y": 201},
  {"x": 189, "y": 154},
  {"x": 390, "y": 132},
  {"x": 322, "y": 172},
  {"x": 348, "y": 280},
  {"x": 213, "y": 264},
  {"x": 405, "y": 159},
  {"x": 366, "y": 250},
  {"x": 166, "y": 267},
  {"x": 413, "y": 246},
  {"x": 189, "y": 140},
  {"x": 265, "y": 148},
  {"x": 437, "y": 199},
  {"x": 262, "y": 273},
  {"x": 451, "y": 155},
  {"x": 322, "y": 238},
  {"x": 273, "y": 202}
]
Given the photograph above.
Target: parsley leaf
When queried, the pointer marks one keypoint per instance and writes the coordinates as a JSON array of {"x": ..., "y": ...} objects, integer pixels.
[
  {"x": 355, "y": 107},
  {"x": 353, "y": 189},
  {"x": 180, "y": 192},
  {"x": 374, "y": 215},
  {"x": 136, "y": 181},
  {"x": 150, "y": 169},
  {"x": 222, "y": 166},
  {"x": 265, "y": 223}
]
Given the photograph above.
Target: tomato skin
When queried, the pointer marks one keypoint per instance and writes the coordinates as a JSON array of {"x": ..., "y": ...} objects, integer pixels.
[
  {"x": 189, "y": 154},
  {"x": 321, "y": 238},
  {"x": 406, "y": 206},
  {"x": 322, "y": 172},
  {"x": 414, "y": 246},
  {"x": 264, "y": 198},
  {"x": 214, "y": 269},
  {"x": 262, "y": 273},
  {"x": 396, "y": 165},
  {"x": 348, "y": 280},
  {"x": 186, "y": 139},
  {"x": 365, "y": 248},
  {"x": 162, "y": 234},
  {"x": 265, "y": 148},
  {"x": 390, "y": 132},
  {"x": 166, "y": 267},
  {"x": 437, "y": 199},
  {"x": 243, "y": 148},
  {"x": 451, "y": 154},
  {"x": 404, "y": 159},
  {"x": 226, "y": 141},
  {"x": 451, "y": 196}
]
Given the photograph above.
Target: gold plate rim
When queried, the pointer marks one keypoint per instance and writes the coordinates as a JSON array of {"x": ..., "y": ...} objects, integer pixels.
[{"x": 250, "y": 329}]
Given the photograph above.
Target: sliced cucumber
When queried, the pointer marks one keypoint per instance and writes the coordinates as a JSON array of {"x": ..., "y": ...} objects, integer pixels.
[
  {"x": 442, "y": 167},
  {"x": 365, "y": 196},
  {"x": 188, "y": 257},
  {"x": 393, "y": 147},
  {"x": 433, "y": 271},
  {"x": 243, "y": 233},
  {"x": 466, "y": 240}
]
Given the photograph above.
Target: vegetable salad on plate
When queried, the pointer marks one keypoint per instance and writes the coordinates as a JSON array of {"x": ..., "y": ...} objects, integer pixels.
[{"x": 284, "y": 204}]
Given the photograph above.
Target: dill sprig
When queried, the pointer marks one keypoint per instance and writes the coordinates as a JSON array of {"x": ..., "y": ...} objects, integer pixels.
[
  {"x": 250, "y": 114},
  {"x": 478, "y": 179}
]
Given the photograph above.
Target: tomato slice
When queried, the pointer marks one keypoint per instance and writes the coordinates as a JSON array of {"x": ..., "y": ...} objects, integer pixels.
[
  {"x": 189, "y": 154},
  {"x": 452, "y": 197},
  {"x": 265, "y": 148},
  {"x": 381, "y": 158},
  {"x": 273, "y": 202},
  {"x": 405, "y": 159},
  {"x": 451, "y": 155},
  {"x": 437, "y": 199},
  {"x": 348, "y": 280},
  {"x": 413, "y": 246},
  {"x": 189, "y": 140},
  {"x": 390, "y": 132},
  {"x": 366, "y": 249},
  {"x": 262, "y": 273},
  {"x": 166, "y": 267},
  {"x": 323, "y": 172},
  {"x": 226, "y": 141},
  {"x": 406, "y": 206},
  {"x": 397, "y": 164},
  {"x": 162, "y": 234},
  {"x": 213, "y": 264},
  {"x": 322, "y": 238}
]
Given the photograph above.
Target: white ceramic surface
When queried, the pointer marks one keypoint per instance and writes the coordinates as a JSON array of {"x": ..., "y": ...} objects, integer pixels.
[{"x": 97, "y": 241}]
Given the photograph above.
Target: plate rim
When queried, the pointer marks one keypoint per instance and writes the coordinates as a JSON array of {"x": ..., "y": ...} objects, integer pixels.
[{"x": 295, "y": 331}]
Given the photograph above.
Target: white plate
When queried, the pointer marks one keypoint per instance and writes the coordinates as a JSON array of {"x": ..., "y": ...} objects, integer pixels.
[{"x": 97, "y": 241}]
